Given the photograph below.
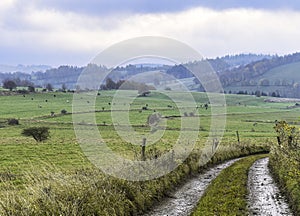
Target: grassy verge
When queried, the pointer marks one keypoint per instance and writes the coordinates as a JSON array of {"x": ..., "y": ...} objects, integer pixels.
[
  {"x": 286, "y": 173},
  {"x": 227, "y": 193},
  {"x": 285, "y": 163},
  {"x": 90, "y": 192}
]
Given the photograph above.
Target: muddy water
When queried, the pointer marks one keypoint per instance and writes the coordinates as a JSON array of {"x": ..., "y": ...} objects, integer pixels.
[
  {"x": 264, "y": 196},
  {"x": 183, "y": 200}
]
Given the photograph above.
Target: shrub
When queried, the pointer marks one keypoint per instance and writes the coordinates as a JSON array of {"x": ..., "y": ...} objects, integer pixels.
[
  {"x": 23, "y": 91},
  {"x": 285, "y": 162},
  {"x": 13, "y": 121},
  {"x": 63, "y": 111},
  {"x": 38, "y": 133},
  {"x": 31, "y": 89}
]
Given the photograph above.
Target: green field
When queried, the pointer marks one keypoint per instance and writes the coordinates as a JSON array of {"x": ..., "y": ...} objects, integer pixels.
[
  {"x": 22, "y": 156},
  {"x": 251, "y": 116},
  {"x": 291, "y": 73}
]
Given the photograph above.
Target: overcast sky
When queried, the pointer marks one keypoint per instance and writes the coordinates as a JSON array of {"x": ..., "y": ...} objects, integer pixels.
[{"x": 60, "y": 32}]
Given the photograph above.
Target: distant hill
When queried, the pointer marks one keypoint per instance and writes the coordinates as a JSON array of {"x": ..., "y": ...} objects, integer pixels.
[
  {"x": 243, "y": 74},
  {"x": 220, "y": 65},
  {"x": 288, "y": 74},
  {"x": 277, "y": 76}
]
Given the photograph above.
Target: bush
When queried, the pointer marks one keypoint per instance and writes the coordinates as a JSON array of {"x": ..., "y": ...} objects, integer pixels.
[
  {"x": 285, "y": 162},
  {"x": 31, "y": 89},
  {"x": 63, "y": 111},
  {"x": 23, "y": 91},
  {"x": 13, "y": 121},
  {"x": 38, "y": 133}
]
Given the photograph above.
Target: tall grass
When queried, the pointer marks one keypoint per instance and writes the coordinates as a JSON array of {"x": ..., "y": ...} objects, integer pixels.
[
  {"x": 90, "y": 192},
  {"x": 285, "y": 163}
]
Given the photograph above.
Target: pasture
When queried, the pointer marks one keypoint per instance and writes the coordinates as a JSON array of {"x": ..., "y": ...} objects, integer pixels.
[
  {"x": 251, "y": 116},
  {"x": 22, "y": 156}
]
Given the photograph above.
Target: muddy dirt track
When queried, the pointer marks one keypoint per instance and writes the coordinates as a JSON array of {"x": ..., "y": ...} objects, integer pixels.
[
  {"x": 264, "y": 196},
  {"x": 183, "y": 200}
]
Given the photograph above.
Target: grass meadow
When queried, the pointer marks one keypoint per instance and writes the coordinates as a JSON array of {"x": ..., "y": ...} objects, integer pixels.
[{"x": 55, "y": 176}]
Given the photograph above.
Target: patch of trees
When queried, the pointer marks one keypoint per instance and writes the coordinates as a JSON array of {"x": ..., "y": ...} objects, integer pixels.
[
  {"x": 126, "y": 85},
  {"x": 257, "y": 93},
  {"x": 58, "y": 76},
  {"x": 9, "y": 84},
  {"x": 49, "y": 87},
  {"x": 131, "y": 70},
  {"x": 14, "y": 83},
  {"x": 180, "y": 72},
  {"x": 243, "y": 59}
]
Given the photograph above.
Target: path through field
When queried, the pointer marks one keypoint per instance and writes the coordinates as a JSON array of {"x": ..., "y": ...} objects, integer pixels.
[
  {"x": 187, "y": 196},
  {"x": 264, "y": 196}
]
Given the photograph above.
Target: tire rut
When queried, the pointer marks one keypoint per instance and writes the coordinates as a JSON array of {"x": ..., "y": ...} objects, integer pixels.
[{"x": 264, "y": 196}]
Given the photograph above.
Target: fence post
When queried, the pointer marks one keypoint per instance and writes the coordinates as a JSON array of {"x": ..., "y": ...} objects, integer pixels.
[
  {"x": 238, "y": 137},
  {"x": 144, "y": 149}
]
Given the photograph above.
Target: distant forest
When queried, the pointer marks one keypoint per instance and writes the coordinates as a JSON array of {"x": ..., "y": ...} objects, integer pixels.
[{"x": 239, "y": 72}]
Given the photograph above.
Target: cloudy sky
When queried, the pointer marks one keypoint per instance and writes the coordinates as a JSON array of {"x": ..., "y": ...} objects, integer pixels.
[{"x": 72, "y": 32}]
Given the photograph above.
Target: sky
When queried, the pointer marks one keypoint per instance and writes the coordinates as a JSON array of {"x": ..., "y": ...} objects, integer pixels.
[{"x": 73, "y": 32}]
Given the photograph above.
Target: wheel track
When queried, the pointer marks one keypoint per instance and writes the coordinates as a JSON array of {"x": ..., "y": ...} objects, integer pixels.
[{"x": 264, "y": 196}]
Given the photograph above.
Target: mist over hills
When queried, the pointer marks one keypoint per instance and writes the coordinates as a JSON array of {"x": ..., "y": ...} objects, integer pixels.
[
  {"x": 23, "y": 68},
  {"x": 241, "y": 74}
]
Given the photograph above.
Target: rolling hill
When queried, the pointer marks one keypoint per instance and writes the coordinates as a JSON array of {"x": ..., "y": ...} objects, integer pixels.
[
  {"x": 242, "y": 74},
  {"x": 289, "y": 72}
]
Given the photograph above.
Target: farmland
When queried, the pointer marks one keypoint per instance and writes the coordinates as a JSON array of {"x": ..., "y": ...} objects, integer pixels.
[{"x": 23, "y": 159}]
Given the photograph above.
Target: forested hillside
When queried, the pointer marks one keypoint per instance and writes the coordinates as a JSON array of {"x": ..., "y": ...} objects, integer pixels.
[{"x": 242, "y": 74}]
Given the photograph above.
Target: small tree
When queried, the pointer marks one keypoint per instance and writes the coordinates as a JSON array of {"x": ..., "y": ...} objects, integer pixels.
[
  {"x": 38, "y": 133},
  {"x": 64, "y": 87},
  {"x": 77, "y": 88},
  {"x": 257, "y": 93},
  {"x": 9, "y": 84},
  {"x": 49, "y": 87},
  {"x": 143, "y": 90},
  {"x": 31, "y": 89}
]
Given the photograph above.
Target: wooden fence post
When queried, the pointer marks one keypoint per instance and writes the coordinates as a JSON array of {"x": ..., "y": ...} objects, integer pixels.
[
  {"x": 144, "y": 149},
  {"x": 238, "y": 137}
]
